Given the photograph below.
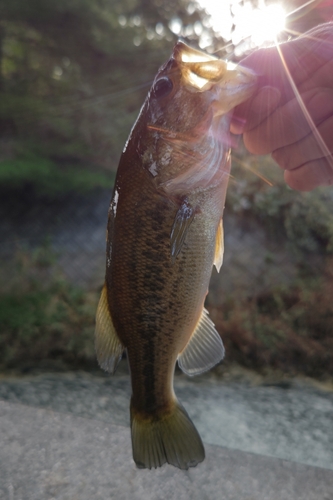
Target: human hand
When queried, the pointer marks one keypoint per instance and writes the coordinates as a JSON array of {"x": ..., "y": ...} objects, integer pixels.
[{"x": 293, "y": 121}]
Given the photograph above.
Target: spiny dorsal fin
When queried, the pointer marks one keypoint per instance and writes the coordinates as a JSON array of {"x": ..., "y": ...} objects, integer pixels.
[
  {"x": 204, "y": 349},
  {"x": 219, "y": 247},
  {"x": 181, "y": 225},
  {"x": 108, "y": 347}
]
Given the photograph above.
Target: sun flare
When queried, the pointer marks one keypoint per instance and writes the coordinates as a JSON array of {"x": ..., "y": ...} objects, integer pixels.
[
  {"x": 266, "y": 23},
  {"x": 258, "y": 25}
]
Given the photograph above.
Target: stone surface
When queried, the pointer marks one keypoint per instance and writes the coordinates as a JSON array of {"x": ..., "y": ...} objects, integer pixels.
[
  {"x": 290, "y": 420},
  {"x": 46, "y": 455}
]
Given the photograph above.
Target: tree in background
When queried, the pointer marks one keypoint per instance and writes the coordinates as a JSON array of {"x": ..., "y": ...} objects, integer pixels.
[{"x": 75, "y": 72}]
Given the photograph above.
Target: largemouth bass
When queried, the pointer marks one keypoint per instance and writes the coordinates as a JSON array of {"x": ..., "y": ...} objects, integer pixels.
[{"x": 164, "y": 234}]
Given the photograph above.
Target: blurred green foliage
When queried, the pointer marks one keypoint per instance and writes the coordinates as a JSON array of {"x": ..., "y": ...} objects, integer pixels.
[
  {"x": 49, "y": 179},
  {"x": 48, "y": 323},
  {"x": 304, "y": 221},
  {"x": 44, "y": 320},
  {"x": 288, "y": 328},
  {"x": 73, "y": 76}
]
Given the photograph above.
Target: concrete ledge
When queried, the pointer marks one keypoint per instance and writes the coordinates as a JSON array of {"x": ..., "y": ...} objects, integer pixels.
[{"x": 46, "y": 455}]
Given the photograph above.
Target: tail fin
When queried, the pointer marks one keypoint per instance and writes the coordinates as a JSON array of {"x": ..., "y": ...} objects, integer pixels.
[{"x": 170, "y": 438}]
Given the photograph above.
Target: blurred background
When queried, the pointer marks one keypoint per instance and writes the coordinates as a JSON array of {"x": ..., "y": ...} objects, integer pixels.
[{"x": 73, "y": 76}]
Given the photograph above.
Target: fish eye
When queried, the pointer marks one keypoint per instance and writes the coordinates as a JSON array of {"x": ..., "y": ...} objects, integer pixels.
[{"x": 162, "y": 87}]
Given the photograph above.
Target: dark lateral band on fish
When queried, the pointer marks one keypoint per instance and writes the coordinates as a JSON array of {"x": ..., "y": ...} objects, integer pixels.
[{"x": 164, "y": 236}]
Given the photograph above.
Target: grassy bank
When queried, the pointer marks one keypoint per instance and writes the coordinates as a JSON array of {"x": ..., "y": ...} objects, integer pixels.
[
  {"x": 48, "y": 323},
  {"x": 284, "y": 328},
  {"x": 45, "y": 322}
]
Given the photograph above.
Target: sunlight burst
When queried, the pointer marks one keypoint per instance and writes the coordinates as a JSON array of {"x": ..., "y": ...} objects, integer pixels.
[
  {"x": 266, "y": 23},
  {"x": 259, "y": 24}
]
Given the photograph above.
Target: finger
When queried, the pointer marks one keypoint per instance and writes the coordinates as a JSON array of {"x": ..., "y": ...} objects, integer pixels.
[
  {"x": 308, "y": 149},
  {"x": 321, "y": 77},
  {"x": 303, "y": 56},
  {"x": 313, "y": 51},
  {"x": 311, "y": 175},
  {"x": 307, "y": 60},
  {"x": 254, "y": 111},
  {"x": 291, "y": 122}
]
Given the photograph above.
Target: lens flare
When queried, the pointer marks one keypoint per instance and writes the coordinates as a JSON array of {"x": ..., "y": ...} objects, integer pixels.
[
  {"x": 259, "y": 25},
  {"x": 267, "y": 23},
  {"x": 242, "y": 21}
]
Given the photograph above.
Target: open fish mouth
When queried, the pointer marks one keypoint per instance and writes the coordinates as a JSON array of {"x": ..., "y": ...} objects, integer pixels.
[{"x": 202, "y": 72}]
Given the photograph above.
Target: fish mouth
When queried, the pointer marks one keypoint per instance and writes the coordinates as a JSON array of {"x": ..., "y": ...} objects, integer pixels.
[{"x": 201, "y": 72}]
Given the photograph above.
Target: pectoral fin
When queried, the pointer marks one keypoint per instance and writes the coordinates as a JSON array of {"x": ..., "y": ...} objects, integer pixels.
[
  {"x": 204, "y": 349},
  {"x": 108, "y": 347},
  {"x": 219, "y": 247},
  {"x": 181, "y": 225}
]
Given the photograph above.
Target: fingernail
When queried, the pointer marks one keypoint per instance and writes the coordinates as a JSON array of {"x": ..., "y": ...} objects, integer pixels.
[{"x": 266, "y": 100}]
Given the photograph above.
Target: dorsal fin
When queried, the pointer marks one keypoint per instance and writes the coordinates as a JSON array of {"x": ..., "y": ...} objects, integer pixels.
[
  {"x": 219, "y": 247},
  {"x": 108, "y": 347},
  {"x": 204, "y": 349}
]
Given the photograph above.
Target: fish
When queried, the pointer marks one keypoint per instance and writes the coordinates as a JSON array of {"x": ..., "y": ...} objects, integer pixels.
[{"x": 164, "y": 234}]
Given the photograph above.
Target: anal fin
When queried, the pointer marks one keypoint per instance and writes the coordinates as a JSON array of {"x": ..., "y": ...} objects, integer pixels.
[
  {"x": 204, "y": 349},
  {"x": 219, "y": 247},
  {"x": 108, "y": 347}
]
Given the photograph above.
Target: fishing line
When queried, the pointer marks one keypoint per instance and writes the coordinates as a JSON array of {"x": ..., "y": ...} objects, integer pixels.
[
  {"x": 252, "y": 170},
  {"x": 314, "y": 130},
  {"x": 102, "y": 99},
  {"x": 75, "y": 105},
  {"x": 311, "y": 4},
  {"x": 311, "y": 123}
]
